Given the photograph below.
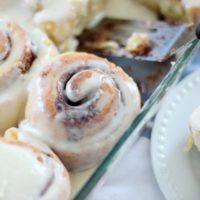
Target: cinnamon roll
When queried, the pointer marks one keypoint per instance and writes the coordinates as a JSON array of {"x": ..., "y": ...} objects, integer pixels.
[
  {"x": 29, "y": 172},
  {"x": 61, "y": 20},
  {"x": 21, "y": 56},
  {"x": 80, "y": 105}
]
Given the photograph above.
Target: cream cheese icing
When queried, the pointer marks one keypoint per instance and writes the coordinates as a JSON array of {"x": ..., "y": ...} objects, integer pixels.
[{"x": 29, "y": 173}]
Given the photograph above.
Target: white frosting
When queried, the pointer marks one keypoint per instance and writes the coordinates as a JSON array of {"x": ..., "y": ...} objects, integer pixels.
[
  {"x": 185, "y": 10},
  {"x": 86, "y": 87},
  {"x": 12, "y": 101},
  {"x": 45, "y": 50},
  {"x": 15, "y": 9},
  {"x": 27, "y": 174},
  {"x": 129, "y": 9}
]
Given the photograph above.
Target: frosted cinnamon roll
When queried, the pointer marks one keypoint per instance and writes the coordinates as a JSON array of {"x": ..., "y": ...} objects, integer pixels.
[
  {"x": 61, "y": 20},
  {"x": 20, "y": 58},
  {"x": 80, "y": 105},
  {"x": 28, "y": 172}
]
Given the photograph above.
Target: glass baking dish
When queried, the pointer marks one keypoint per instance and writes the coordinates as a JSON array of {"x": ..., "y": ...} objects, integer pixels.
[{"x": 154, "y": 80}]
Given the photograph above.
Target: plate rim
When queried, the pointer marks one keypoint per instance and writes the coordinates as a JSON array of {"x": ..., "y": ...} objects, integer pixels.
[{"x": 181, "y": 87}]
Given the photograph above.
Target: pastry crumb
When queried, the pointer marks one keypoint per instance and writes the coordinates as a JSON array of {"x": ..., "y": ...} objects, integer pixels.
[{"x": 138, "y": 44}]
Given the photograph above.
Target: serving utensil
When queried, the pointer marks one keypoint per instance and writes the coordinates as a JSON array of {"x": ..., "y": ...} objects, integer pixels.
[{"x": 109, "y": 39}]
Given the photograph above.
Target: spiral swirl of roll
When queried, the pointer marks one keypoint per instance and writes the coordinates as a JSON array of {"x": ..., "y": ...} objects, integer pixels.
[
  {"x": 16, "y": 50},
  {"x": 21, "y": 53},
  {"x": 80, "y": 105},
  {"x": 16, "y": 58},
  {"x": 30, "y": 171}
]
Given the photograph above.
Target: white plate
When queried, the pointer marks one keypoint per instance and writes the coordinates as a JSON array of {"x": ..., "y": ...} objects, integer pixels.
[{"x": 177, "y": 172}]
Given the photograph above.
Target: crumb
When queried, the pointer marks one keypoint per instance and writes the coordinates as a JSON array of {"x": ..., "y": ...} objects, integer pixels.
[{"x": 138, "y": 44}]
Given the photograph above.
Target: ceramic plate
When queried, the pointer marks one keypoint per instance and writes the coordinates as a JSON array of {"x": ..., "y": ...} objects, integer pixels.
[{"x": 177, "y": 172}]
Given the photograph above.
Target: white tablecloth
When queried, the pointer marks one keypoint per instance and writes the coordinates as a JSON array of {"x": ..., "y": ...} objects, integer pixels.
[{"x": 132, "y": 179}]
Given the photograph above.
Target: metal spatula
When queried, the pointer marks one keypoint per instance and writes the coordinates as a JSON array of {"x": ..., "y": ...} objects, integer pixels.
[{"x": 165, "y": 38}]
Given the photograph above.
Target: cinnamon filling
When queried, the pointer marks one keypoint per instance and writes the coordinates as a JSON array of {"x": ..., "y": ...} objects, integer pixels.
[
  {"x": 84, "y": 98},
  {"x": 75, "y": 110},
  {"x": 27, "y": 56},
  {"x": 27, "y": 59},
  {"x": 5, "y": 45}
]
